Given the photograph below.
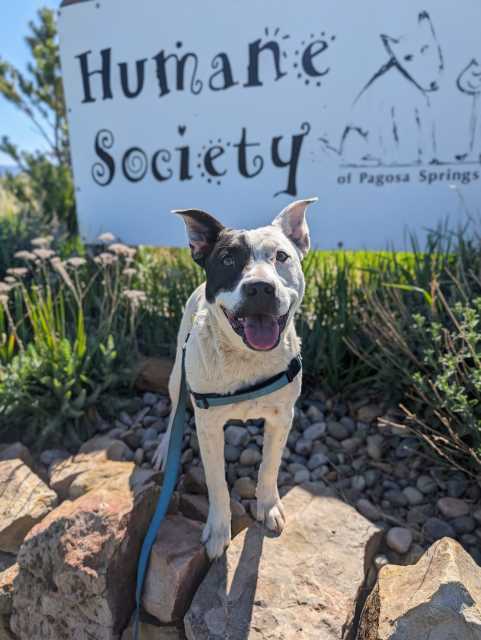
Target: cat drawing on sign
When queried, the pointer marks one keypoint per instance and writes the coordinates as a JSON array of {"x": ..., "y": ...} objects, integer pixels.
[
  {"x": 391, "y": 121},
  {"x": 469, "y": 83}
]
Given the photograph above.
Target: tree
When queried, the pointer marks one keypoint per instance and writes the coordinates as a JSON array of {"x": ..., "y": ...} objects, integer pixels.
[{"x": 38, "y": 94}]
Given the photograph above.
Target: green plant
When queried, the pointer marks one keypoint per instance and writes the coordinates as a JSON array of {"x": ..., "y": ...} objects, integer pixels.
[
  {"x": 68, "y": 341},
  {"x": 45, "y": 185}
]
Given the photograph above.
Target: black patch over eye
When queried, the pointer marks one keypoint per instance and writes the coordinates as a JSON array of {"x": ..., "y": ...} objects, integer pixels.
[
  {"x": 408, "y": 58},
  {"x": 227, "y": 260},
  {"x": 281, "y": 256}
]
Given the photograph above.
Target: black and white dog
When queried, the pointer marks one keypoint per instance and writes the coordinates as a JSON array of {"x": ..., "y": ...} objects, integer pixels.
[{"x": 241, "y": 326}]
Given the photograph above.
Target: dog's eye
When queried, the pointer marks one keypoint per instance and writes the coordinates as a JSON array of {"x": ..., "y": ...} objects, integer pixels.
[
  {"x": 227, "y": 260},
  {"x": 408, "y": 58},
  {"x": 281, "y": 256}
]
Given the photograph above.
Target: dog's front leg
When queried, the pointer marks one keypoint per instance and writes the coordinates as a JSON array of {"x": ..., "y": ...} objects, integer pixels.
[
  {"x": 269, "y": 506},
  {"x": 210, "y": 432}
]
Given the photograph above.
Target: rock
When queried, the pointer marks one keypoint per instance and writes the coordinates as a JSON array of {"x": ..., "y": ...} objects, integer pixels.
[
  {"x": 439, "y": 598},
  {"x": 17, "y": 451},
  {"x": 317, "y": 460},
  {"x": 374, "y": 446},
  {"x": 463, "y": 524},
  {"x": 301, "y": 476},
  {"x": 150, "y": 631},
  {"x": 7, "y": 576},
  {"x": 304, "y": 583},
  {"x": 194, "y": 481},
  {"x": 337, "y": 430},
  {"x": 236, "y": 435},
  {"x": 399, "y": 539},
  {"x": 49, "y": 456},
  {"x": 80, "y": 474},
  {"x": 315, "y": 431},
  {"x": 351, "y": 445},
  {"x": 452, "y": 507},
  {"x": 245, "y": 488},
  {"x": 77, "y": 567},
  {"x": 435, "y": 529},
  {"x": 426, "y": 485},
  {"x": 153, "y": 375},
  {"x": 24, "y": 500},
  {"x": 231, "y": 454},
  {"x": 314, "y": 414},
  {"x": 369, "y": 413},
  {"x": 413, "y": 496},
  {"x": 358, "y": 483},
  {"x": 367, "y": 509},
  {"x": 303, "y": 447},
  {"x": 250, "y": 457},
  {"x": 132, "y": 438},
  {"x": 178, "y": 563}
]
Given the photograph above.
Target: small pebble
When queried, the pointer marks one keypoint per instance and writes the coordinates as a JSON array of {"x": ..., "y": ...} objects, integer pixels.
[
  {"x": 413, "y": 496},
  {"x": 367, "y": 509},
  {"x": 245, "y": 488},
  {"x": 301, "y": 476},
  {"x": 452, "y": 507},
  {"x": 236, "y": 436},
  {"x": 435, "y": 529},
  {"x": 358, "y": 483},
  {"x": 337, "y": 430},
  {"x": 399, "y": 539},
  {"x": 231, "y": 453},
  {"x": 317, "y": 460},
  {"x": 250, "y": 457},
  {"x": 303, "y": 447},
  {"x": 315, "y": 431},
  {"x": 426, "y": 485}
]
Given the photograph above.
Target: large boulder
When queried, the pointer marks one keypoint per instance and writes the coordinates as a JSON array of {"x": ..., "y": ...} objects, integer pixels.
[
  {"x": 24, "y": 500},
  {"x": 439, "y": 598},
  {"x": 302, "y": 584},
  {"x": 77, "y": 568},
  {"x": 77, "y": 475},
  {"x": 178, "y": 563},
  {"x": 7, "y": 576},
  {"x": 153, "y": 374}
]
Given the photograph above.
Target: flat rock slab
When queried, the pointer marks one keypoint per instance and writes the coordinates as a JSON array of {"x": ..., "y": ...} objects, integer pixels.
[
  {"x": 77, "y": 567},
  {"x": 24, "y": 500},
  {"x": 302, "y": 584},
  {"x": 439, "y": 598}
]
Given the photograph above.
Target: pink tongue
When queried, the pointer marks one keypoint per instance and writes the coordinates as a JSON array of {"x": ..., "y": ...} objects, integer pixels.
[{"x": 261, "y": 332}]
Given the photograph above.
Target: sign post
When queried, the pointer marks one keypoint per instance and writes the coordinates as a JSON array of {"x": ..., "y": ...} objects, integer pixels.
[{"x": 240, "y": 107}]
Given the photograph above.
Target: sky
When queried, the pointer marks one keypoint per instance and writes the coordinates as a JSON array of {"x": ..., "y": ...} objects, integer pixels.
[{"x": 14, "y": 19}]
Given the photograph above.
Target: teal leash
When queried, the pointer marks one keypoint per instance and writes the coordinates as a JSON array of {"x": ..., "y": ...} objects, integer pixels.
[
  {"x": 203, "y": 401},
  {"x": 170, "y": 479}
]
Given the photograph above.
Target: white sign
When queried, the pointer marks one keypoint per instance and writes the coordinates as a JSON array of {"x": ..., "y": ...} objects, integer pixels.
[{"x": 239, "y": 107}]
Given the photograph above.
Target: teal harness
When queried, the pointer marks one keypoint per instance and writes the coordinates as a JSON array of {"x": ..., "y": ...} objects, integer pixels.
[{"x": 203, "y": 401}]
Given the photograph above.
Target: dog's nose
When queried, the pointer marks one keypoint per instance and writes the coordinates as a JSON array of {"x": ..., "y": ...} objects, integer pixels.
[{"x": 258, "y": 288}]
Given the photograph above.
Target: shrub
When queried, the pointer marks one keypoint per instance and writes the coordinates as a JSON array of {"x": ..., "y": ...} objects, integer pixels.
[{"x": 68, "y": 342}]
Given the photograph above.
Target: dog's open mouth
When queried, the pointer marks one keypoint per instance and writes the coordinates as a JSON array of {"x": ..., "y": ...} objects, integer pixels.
[{"x": 260, "y": 332}]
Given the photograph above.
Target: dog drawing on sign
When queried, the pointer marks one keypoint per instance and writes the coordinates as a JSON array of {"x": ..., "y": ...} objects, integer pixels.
[
  {"x": 240, "y": 324},
  {"x": 391, "y": 121}
]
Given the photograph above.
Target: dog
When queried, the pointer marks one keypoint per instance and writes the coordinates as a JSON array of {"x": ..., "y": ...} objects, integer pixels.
[
  {"x": 240, "y": 324},
  {"x": 391, "y": 120}
]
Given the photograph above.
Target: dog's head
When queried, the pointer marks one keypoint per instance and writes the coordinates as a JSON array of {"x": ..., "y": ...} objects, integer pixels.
[
  {"x": 418, "y": 54},
  {"x": 254, "y": 279}
]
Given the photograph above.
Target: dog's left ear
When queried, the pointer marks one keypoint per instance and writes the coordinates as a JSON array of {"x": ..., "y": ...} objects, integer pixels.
[
  {"x": 202, "y": 231},
  {"x": 292, "y": 221}
]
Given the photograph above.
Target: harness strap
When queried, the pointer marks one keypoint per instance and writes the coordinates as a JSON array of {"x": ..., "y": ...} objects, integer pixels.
[
  {"x": 207, "y": 400},
  {"x": 203, "y": 401}
]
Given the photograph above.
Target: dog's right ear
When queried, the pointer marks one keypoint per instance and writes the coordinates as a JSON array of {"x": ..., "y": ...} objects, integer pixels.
[{"x": 202, "y": 231}]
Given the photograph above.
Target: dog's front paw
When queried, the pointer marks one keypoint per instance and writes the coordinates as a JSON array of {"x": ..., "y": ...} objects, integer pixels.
[
  {"x": 216, "y": 538},
  {"x": 271, "y": 513}
]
